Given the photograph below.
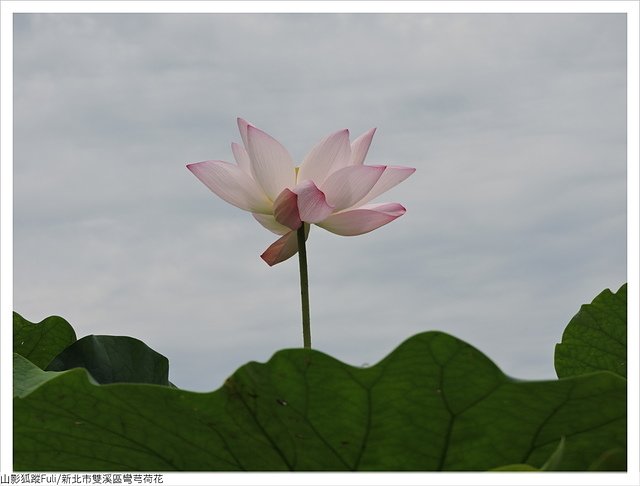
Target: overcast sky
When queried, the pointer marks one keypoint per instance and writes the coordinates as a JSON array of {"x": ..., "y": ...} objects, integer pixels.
[{"x": 516, "y": 214}]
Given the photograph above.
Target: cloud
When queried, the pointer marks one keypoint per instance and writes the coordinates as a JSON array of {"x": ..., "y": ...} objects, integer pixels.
[{"x": 516, "y": 214}]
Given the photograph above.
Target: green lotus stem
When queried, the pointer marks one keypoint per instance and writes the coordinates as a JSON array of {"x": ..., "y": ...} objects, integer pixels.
[{"x": 304, "y": 288}]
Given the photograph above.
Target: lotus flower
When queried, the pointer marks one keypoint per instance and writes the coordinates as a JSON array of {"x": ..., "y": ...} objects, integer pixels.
[{"x": 332, "y": 188}]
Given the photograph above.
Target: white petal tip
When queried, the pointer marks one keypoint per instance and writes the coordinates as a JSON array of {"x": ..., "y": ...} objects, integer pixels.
[{"x": 195, "y": 165}]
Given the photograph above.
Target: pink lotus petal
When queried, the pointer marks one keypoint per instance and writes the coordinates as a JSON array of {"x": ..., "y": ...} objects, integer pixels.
[
  {"x": 242, "y": 158},
  {"x": 283, "y": 248},
  {"x": 312, "y": 203},
  {"x": 392, "y": 176},
  {"x": 349, "y": 185},
  {"x": 331, "y": 153},
  {"x": 360, "y": 147},
  {"x": 230, "y": 183},
  {"x": 285, "y": 209},
  {"x": 271, "y": 224},
  {"x": 271, "y": 164},
  {"x": 362, "y": 220},
  {"x": 242, "y": 126}
]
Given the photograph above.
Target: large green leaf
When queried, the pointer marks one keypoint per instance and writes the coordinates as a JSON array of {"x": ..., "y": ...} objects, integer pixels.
[
  {"x": 435, "y": 403},
  {"x": 552, "y": 464},
  {"x": 596, "y": 338},
  {"x": 27, "y": 376},
  {"x": 611, "y": 460},
  {"x": 114, "y": 359},
  {"x": 41, "y": 342}
]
